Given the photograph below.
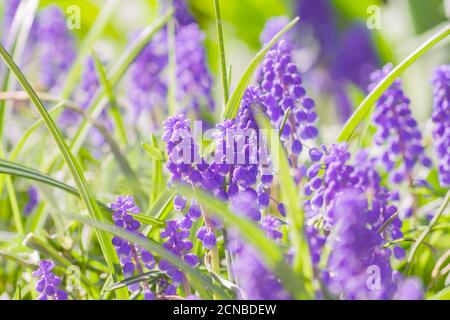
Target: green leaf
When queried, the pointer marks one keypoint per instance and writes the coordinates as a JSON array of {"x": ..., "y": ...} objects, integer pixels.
[
  {"x": 154, "y": 151},
  {"x": 149, "y": 277},
  {"x": 232, "y": 106},
  {"x": 198, "y": 280},
  {"x": 74, "y": 167},
  {"x": 364, "y": 109},
  {"x": 428, "y": 229},
  {"x": 271, "y": 253},
  {"x": 149, "y": 220},
  {"x": 18, "y": 293},
  {"x": 444, "y": 294},
  {"x": 290, "y": 195},
  {"x": 223, "y": 62},
  {"x": 112, "y": 99}
]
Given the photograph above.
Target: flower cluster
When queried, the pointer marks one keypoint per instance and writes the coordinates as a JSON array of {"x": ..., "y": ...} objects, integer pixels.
[
  {"x": 397, "y": 129},
  {"x": 56, "y": 46},
  {"x": 361, "y": 269},
  {"x": 282, "y": 90},
  {"x": 48, "y": 284},
  {"x": 132, "y": 257},
  {"x": 339, "y": 174},
  {"x": 441, "y": 120},
  {"x": 352, "y": 263},
  {"x": 149, "y": 73},
  {"x": 177, "y": 242}
]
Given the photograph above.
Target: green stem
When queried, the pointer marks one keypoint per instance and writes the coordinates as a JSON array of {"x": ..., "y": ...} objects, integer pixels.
[
  {"x": 428, "y": 229},
  {"x": 223, "y": 62}
]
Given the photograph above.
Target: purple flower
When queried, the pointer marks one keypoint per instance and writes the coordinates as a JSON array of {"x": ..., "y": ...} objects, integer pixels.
[
  {"x": 55, "y": 45},
  {"x": 409, "y": 289},
  {"x": 194, "y": 83},
  {"x": 273, "y": 26},
  {"x": 358, "y": 265},
  {"x": 281, "y": 89},
  {"x": 397, "y": 130},
  {"x": 147, "y": 88},
  {"x": 254, "y": 279},
  {"x": 48, "y": 285},
  {"x": 33, "y": 200},
  {"x": 355, "y": 65},
  {"x": 441, "y": 121},
  {"x": 132, "y": 257}
]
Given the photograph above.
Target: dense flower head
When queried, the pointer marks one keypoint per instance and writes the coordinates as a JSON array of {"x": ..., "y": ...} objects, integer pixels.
[
  {"x": 132, "y": 257},
  {"x": 48, "y": 285},
  {"x": 149, "y": 78},
  {"x": 182, "y": 13},
  {"x": 147, "y": 87},
  {"x": 281, "y": 85},
  {"x": 194, "y": 81},
  {"x": 55, "y": 45},
  {"x": 397, "y": 130},
  {"x": 340, "y": 174},
  {"x": 273, "y": 26},
  {"x": 355, "y": 65},
  {"x": 441, "y": 121},
  {"x": 357, "y": 269},
  {"x": 176, "y": 236}
]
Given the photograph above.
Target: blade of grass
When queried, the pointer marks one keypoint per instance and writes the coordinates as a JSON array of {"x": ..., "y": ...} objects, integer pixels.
[
  {"x": 232, "y": 106},
  {"x": 364, "y": 109},
  {"x": 155, "y": 152},
  {"x": 157, "y": 175},
  {"x": 428, "y": 229},
  {"x": 223, "y": 62},
  {"x": 158, "y": 250},
  {"x": 290, "y": 195},
  {"x": 74, "y": 167},
  {"x": 115, "y": 111},
  {"x": 267, "y": 248}
]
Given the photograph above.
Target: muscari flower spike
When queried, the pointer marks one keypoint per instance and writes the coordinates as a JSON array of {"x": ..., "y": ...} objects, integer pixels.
[{"x": 48, "y": 285}]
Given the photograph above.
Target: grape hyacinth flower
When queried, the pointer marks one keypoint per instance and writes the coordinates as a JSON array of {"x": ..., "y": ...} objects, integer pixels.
[
  {"x": 441, "y": 121},
  {"x": 33, "y": 200},
  {"x": 339, "y": 175},
  {"x": 48, "y": 285},
  {"x": 178, "y": 243},
  {"x": 358, "y": 265},
  {"x": 281, "y": 86},
  {"x": 132, "y": 257},
  {"x": 398, "y": 130},
  {"x": 273, "y": 26},
  {"x": 147, "y": 87},
  {"x": 55, "y": 45},
  {"x": 194, "y": 81}
]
